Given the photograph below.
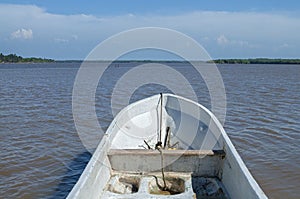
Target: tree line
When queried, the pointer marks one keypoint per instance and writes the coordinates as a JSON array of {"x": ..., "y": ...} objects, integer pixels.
[
  {"x": 256, "y": 61},
  {"x": 13, "y": 58}
]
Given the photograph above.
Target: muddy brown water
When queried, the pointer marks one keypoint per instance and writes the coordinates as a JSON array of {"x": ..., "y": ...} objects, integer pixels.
[{"x": 42, "y": 155}]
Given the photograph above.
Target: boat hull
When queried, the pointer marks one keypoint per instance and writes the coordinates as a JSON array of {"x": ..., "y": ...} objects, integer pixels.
[{"x": 205, "y": 150}]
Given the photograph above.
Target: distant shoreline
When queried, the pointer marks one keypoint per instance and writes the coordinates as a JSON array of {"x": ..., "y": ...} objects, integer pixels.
[
  {"x": 256, "y": 61},
  {"x": 217, "y": 61},
  {"x": 15, "y": 59}
]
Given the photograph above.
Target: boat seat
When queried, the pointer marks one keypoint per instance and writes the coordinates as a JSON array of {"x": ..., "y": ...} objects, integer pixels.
[{"x": 199, "y": 162}]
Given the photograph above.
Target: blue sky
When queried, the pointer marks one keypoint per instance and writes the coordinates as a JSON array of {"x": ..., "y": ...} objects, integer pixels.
[{"x": 70, "y": 29}]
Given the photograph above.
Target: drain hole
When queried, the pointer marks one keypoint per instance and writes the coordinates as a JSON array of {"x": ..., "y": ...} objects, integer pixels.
[
  {"x": 174, "y": 186},
  {"x": 207, "y": 188},
  {"x": 124, "y": 185}
]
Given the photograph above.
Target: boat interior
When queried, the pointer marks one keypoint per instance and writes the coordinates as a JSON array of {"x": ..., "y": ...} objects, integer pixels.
[
  {"x": 171, "y": 162},
  {"x": 140, "y": 173}
]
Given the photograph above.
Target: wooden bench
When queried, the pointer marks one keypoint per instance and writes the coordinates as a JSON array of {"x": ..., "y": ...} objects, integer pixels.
[{"x": 200, "y": 162}]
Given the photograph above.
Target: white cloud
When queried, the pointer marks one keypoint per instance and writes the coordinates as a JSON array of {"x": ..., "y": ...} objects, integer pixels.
[
  {"x": 22, "y": 34},
  {"x": 66, "y": 40},
  {"x": 222, "y": 40}
]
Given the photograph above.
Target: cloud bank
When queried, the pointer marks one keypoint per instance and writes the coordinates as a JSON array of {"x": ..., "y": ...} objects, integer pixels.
[
  {"x": 223, "y": 34},
  {"x": 22, "y": 34}
]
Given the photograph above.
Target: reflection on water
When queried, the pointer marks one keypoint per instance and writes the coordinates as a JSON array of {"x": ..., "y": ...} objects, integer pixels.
[{"x": 42, "y": 156}]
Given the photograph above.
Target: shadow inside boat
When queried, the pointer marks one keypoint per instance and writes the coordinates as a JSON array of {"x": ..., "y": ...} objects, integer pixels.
[{"x": 74, "y": 170}]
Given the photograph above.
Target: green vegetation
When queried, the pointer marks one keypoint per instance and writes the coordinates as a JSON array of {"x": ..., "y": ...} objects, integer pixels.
[
  {"x": 256, "y": 61},
  {"x": 13, "y": 58}
]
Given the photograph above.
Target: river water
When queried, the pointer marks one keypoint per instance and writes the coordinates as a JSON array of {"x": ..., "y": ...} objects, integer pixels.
[{"x": 42, "y": 155}]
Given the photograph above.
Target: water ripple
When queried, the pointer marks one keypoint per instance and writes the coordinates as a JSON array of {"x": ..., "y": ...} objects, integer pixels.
[{"x": 42, "y": 156}]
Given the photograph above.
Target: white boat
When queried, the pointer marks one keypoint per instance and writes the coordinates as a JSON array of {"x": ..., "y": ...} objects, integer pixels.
[{"x": 166, "y": 146}]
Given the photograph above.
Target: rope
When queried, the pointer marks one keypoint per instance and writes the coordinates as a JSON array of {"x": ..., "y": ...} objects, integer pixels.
[
  {"x": 163, "y": 188},
  {"x": 162, "y": 168}
]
